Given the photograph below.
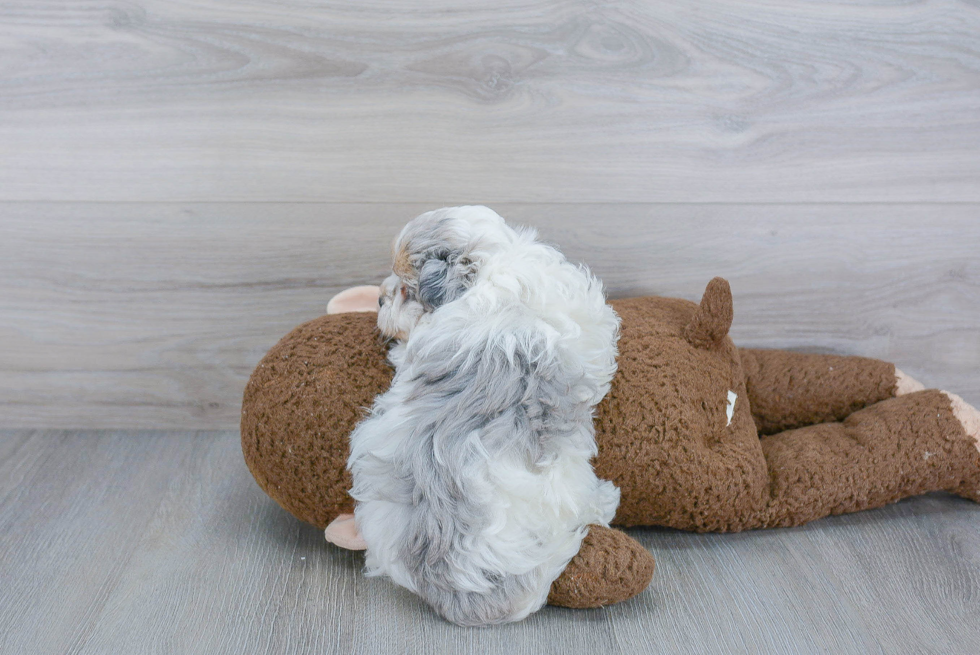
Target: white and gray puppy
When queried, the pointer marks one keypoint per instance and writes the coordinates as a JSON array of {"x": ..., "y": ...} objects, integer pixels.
[{"x": 472, "y": 474}]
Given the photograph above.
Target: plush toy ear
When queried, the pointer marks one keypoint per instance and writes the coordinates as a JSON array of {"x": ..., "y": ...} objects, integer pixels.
[
  {"x": 713, "y": 317},
  {"x": 443, "y": 277},
  {"x": 356, "y": 299},
  {"x": 342, "y": 531}
]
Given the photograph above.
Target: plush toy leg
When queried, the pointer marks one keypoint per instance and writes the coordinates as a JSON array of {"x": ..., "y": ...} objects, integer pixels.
[
  {"x": 789, "y": 390},
  {"x": 920, "y": 442}
]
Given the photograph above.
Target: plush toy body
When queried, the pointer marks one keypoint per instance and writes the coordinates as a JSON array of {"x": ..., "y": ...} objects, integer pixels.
[
  {"x": 805, "y": 435},
  {"x": 697, "y": 434}
]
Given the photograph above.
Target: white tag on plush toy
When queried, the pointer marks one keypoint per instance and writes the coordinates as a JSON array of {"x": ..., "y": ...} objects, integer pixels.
[{"x": 730, "y": 410}]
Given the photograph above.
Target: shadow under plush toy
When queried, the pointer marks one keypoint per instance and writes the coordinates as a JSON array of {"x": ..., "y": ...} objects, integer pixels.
[{"x": 697, "y": 434}]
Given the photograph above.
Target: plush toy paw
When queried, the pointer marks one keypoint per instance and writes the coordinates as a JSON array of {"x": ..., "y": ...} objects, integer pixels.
[
  {"x": 905, "y": 383},
  {"x": 610, "y": 567},
  {"x": 968, "y": 416}
]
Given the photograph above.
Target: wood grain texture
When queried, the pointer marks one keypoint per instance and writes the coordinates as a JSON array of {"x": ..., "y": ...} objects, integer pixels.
[
  {"x": 540, "y": 100},
  {"x": 199, "y": 177},
  {"x": 153, "y": 542},
  {"x": 153, "y": 315}
]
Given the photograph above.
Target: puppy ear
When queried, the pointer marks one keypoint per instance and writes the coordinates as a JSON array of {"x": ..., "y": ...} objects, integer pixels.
[{"x": 443, "y": 277}]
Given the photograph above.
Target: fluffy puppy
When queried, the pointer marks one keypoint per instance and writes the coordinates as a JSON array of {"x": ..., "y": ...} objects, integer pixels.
[{"x": 472, "y": 474}]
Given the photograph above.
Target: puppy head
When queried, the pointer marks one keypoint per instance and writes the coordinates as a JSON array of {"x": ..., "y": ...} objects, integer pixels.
[{"x": 436, "y": 259}]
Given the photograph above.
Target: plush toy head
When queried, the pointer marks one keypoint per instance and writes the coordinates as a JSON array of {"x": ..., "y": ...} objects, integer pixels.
[{"x": 300, "y": 405}]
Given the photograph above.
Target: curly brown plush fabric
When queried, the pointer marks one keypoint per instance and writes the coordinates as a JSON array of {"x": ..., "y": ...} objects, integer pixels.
[
  {"x": 609, "y": 568},
  {"x": 300, "y": 404},
  {"x": 835, "y": 439},
  {"x": 790, "y": 390}
]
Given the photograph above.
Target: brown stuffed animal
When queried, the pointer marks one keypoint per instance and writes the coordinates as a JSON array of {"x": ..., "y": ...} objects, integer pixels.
[{"x": 697, "y": 434}]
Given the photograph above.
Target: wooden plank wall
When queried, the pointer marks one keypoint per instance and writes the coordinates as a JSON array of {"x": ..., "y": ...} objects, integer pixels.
[{"x": 181, "y": 183}]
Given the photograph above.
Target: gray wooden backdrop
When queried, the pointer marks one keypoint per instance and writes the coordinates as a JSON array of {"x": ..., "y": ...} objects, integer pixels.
[{"x": 181, "y": 183}]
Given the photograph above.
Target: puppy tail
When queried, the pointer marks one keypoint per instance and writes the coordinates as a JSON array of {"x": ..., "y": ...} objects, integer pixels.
[{"x": 713, "y": 317}]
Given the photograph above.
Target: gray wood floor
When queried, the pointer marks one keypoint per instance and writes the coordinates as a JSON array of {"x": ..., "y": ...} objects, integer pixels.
[
  {"x": 160, "y": 542},
  {"x": 183, "y": 182}
]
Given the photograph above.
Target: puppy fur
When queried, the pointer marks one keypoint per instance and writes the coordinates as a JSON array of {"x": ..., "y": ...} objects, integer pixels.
[{"x": 472, "y": 474}]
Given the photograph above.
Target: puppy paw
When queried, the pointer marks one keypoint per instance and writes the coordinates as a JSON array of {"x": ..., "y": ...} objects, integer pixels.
[
  {"x": 906, "y": 384},
  {"x": 355, "y": 299}
]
